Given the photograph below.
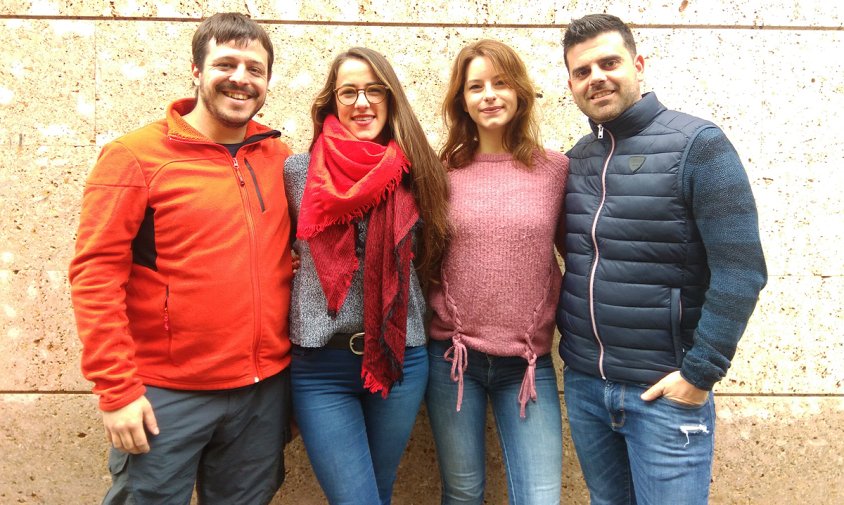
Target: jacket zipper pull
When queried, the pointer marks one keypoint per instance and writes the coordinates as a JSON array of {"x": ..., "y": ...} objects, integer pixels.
[
  {"x": 167, "y": 309},
  {"x": 600, "y": 131},
  {"x": 237, "y": 172}
]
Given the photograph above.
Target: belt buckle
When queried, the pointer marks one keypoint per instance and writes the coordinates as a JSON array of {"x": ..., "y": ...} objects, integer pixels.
[{"x": 353, "y": 345}]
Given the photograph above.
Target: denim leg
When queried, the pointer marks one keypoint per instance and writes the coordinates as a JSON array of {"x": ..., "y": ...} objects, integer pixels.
[
  {"x": 327, "y": 405},
  {"x": 532, "y": 446},
  {"x": 459, "y": 436},
  {"x": 670, "y": 448},
  {"x": 389, "y": 421},
  {"x": 601, "y": 450}
]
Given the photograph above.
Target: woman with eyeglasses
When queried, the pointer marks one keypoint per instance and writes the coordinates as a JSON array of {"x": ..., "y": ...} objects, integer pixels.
[
  {"x": 493, "y": 311},
  {"x": 369, "y": 202}
]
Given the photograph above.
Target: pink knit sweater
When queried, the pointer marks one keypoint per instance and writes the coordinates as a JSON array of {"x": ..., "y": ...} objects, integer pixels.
[{"x": 500, "y": 278}]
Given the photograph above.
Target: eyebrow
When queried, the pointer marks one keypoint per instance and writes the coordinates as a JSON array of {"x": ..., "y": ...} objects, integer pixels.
[
  {"x": 600, "y": 60},
  {"x": 494, "y": 77},
  {"x": 354, "y": 85},
  {"x": 230, "y": 57}
]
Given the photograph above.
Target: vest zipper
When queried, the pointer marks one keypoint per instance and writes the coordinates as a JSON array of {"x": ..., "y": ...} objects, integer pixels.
[{"x": 597, "y": 252}]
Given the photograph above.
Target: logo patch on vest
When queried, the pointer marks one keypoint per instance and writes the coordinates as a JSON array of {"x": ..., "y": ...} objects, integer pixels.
[{"x": 636, "y": 163}]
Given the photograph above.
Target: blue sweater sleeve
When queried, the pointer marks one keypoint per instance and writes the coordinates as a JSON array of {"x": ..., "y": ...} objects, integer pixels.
[{"x": 717, "y": 189}]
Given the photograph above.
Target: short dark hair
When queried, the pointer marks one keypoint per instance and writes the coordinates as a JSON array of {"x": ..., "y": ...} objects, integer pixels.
[
  {"x": 592, "y": 25},
  {"x": 226, "y": 27}
]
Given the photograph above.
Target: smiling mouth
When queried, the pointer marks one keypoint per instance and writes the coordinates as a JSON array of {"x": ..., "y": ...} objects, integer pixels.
[
  {"x": 363, "y": 119},
  {"x": 236, "y": 96},
  {"x": 489, "y": 110},
  {"x": 602, "y": 94}
]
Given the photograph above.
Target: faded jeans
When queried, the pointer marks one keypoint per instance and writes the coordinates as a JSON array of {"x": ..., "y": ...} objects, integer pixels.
[
  {"x": 354, "y": 438},
  {"x": 637, "y": 452},
  {"x": 531, "y": 446}
]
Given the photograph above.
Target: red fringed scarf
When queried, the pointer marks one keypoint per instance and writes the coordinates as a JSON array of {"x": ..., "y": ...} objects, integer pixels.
[{"x": 346, "y": 178}]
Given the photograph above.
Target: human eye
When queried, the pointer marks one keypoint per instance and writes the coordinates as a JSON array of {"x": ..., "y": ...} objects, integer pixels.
[
  {"x": 347, "y": 93},
  {"x": 579, "y": 73},
  {"x": 501, "y": 83},
  {"x": 258, "y": 71},
  {"x": 611, "y": 64},
  {"x": 473, "y": 86},
  {"x": 376, "y": 91}
]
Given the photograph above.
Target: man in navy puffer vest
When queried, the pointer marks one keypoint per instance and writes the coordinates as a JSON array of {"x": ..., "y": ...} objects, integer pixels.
[{"x": 663, "y": 269}]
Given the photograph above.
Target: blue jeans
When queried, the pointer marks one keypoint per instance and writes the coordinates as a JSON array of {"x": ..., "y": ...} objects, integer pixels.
[
  {"x": 531, "y": 446},
  {"x": 637, "y": 452},
  {"x": 354, "y": 438}
]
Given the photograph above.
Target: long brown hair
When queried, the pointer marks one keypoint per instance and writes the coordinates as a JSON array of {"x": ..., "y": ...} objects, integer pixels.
[
  {"x": 430, "y": 183},
  {"x": 521, "y": 135}
]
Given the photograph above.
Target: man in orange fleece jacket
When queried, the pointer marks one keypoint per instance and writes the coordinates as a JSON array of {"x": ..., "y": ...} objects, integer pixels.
[{"x": 181, "y": 286}]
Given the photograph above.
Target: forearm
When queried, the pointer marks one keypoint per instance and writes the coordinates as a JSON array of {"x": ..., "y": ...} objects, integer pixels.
[
  {"x": 112, "y": 211},
  {"x": 726, "y": 217}
]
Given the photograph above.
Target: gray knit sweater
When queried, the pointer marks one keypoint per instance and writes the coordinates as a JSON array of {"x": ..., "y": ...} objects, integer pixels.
[{"x": 310, "y": 324}]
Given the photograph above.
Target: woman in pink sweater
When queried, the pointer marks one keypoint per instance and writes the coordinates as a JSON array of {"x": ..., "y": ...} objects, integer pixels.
[{"x": 493, "y": 311}]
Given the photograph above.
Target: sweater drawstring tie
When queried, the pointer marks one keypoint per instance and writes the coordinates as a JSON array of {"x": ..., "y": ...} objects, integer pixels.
[
  {"x": 528, "y": 389},
  {"x": 457, "y": 355}
]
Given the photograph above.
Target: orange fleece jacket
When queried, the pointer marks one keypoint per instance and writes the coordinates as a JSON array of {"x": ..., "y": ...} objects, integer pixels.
[{"x": 181, "y": 277}]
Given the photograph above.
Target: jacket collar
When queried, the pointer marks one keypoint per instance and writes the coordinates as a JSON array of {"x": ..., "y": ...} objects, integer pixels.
[
  {"x": 177, "y": 127},
  {"x": 635, "y": 119}
]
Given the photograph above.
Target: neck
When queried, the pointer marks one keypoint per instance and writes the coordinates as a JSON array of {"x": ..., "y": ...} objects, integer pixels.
[
  {"x": 209, "y": 126},
  {"x": 490, "y": 142}
]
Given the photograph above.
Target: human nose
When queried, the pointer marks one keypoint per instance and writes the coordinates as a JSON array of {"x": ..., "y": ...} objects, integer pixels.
[
  {"x": 597, "y": 76},
  {"x": 361, "y": 101},
  {"x": 489, "y": 92},
  {"x": 239, "y": 74}
]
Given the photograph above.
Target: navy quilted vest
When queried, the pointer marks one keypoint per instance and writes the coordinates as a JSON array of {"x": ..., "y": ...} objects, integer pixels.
[{"x": 636, "y": 269}]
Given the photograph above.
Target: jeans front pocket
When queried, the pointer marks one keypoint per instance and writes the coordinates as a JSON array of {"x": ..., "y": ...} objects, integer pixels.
[{"x": 680, "y": 405}]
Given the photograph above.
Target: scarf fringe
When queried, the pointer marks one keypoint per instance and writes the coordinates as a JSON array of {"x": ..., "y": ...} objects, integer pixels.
[{"x": 373, "y": 385}]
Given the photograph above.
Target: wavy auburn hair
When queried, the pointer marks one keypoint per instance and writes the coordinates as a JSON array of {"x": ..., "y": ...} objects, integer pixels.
[
  {"x": 521, "y": 134},
  {"x": 429, "y": 180}
]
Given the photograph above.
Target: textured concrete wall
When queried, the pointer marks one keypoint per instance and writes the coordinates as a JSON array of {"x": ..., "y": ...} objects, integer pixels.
[{"x": 76, "y": 74}]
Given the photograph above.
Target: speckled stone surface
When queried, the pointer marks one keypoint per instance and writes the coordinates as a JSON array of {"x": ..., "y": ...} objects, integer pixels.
[
  {"x": 78, "y": 74},
  {"x": 767, "y": 451},
  {"x": 47, "y": 84},
  {"x": 53, "y": 450},
  {"x": 794, "y": 345},
  {"x": 676, "y": 12}
]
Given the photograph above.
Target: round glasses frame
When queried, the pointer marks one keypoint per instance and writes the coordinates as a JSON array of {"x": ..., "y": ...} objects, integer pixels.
[{"x": 374, "y": 93}]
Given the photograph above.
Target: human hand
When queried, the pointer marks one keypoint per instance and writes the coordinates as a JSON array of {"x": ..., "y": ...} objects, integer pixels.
[
  {"x": 297, "y": 261},
  {"x": 674, "y": 387},
  {"x": 125, "y": 426}
]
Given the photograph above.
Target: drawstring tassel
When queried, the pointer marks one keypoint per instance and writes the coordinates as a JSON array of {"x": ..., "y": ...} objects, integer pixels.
[
  {"x": 528, "y": 389},
  {"x": 457, "y": 356}
]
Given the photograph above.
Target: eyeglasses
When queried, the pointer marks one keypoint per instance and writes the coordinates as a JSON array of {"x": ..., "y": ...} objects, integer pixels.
[{"x": 374, "y": 93}]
